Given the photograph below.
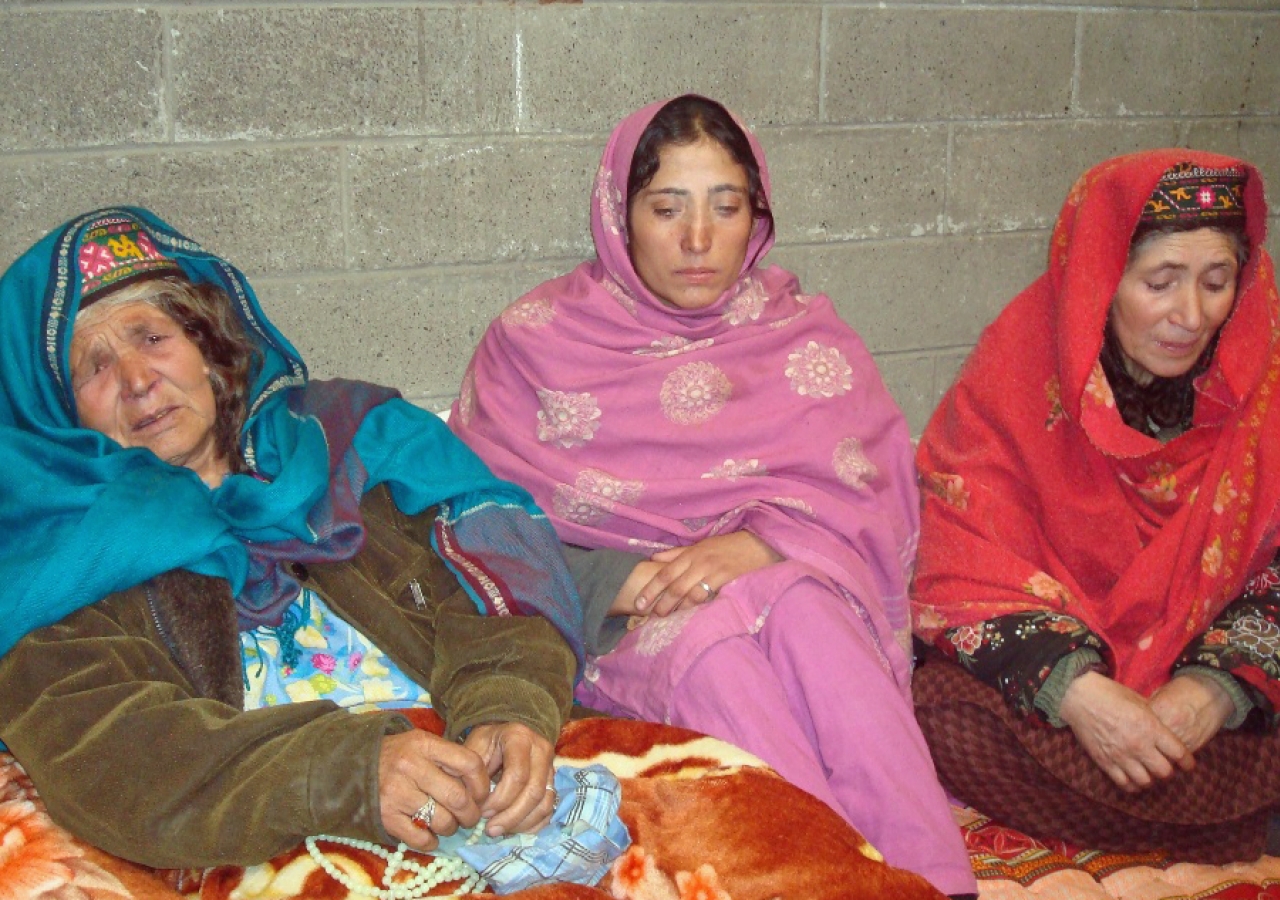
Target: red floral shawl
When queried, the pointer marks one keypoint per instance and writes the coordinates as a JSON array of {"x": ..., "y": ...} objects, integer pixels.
[{"x": 1038, "y": 496}]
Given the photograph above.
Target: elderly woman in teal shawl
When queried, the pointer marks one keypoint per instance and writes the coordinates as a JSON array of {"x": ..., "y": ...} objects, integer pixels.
[{"x": 210, "y": 560}]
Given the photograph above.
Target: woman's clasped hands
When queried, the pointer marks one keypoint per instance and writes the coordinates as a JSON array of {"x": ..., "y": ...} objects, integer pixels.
[
  {"x": 1138, "y": 741},
  {"x": 685, "y": 577},
  {"x": 428, "y": 786}
]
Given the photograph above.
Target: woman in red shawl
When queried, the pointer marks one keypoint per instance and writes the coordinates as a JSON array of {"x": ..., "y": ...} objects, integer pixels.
[
  {"x": 1100, "y": 527},
  {"x": 732, "y": 479}
]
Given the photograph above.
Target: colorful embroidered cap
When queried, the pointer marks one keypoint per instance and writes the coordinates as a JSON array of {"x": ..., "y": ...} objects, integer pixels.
[
  {"x": 1189, "y": 194},
  {"x": 114, "y": 251}
]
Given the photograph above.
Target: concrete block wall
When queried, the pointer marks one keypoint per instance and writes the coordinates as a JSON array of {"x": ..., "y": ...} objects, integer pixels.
[{"x": 391, "y": 174}]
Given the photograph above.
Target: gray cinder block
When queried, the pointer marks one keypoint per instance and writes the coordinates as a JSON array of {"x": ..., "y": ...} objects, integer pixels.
[
  {"x": 266, "y": 210},
  {"x": 919, "y": 294},
  {"x": 471, "y": 200},
  {"x": 250, "y": 74},
  {"x": 585, "y": 67},
  {"x": 837, "y": 184},
  {"x": 1015, "y": 176},
  {"x": 1174, "y": 63},
  {"x": 80, "y": 79},
  {"x": 415, "y": 333},
  {"x": 909, "y": 378},
  {"x": 924, "y": 64}
]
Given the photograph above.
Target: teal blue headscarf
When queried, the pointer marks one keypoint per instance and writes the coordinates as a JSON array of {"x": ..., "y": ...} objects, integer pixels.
[{"x": 83, "y": 517}]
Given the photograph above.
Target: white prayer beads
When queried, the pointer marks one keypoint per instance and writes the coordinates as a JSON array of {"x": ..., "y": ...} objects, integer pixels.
[{"x": 441, "y": 870}]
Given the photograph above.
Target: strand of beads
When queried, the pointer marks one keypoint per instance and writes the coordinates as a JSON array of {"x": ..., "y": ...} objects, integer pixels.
[{"x": 425, "y": 878}]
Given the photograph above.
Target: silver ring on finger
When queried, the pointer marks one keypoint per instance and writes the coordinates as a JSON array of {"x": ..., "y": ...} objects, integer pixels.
[
  {"x": 711, "y": 592},
  {"x": 424, "y": 814}
]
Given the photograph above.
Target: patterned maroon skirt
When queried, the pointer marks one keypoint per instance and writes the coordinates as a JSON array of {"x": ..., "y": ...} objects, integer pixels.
[{"x": 1041, "y": 781}]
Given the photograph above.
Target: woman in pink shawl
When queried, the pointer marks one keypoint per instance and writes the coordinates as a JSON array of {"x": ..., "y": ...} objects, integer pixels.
[{"x": 732, "y": 480}]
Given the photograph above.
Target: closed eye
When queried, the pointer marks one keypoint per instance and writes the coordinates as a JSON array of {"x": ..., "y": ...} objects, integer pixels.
[{"x": 87, "y": 371}]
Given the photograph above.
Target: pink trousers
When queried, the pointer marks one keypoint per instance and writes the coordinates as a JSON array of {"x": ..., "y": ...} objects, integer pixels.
[{"x": 808, "y": 695}]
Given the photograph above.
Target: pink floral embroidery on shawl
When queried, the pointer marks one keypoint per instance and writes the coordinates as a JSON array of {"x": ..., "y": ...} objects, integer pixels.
[{"x": 762, "y": 411}]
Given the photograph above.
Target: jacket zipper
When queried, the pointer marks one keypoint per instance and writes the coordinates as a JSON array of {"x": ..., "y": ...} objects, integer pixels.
[
  {"x": 419, "y": 599},
  {"x": 155, "y": 617}
]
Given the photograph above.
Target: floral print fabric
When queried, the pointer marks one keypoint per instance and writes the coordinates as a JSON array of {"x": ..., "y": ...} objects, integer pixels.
[
  {"x": 1016, "y": 653},
  {"x": 1245, "y": 641},
  {"x": 38, "y": 860},
  {"x": 323, "y": 659}
]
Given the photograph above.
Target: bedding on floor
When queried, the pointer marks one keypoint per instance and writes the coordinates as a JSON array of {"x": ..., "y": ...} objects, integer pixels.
[
  {"x": 708, "y": 822},
  {"x": 1012, "y": 866}
]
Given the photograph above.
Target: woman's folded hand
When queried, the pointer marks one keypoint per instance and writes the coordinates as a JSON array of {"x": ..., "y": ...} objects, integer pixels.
[
  {"x": 1121, "y": 733},
  {"x": 1193, "y": 708},
  {"x": 689, "y": 576}
]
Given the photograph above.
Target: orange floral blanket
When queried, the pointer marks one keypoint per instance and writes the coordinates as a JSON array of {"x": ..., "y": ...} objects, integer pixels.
[{"x": 708, "y": 822}]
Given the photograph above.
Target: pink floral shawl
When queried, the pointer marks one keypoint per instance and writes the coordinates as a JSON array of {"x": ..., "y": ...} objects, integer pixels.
[{"x": 638, "y": 426}]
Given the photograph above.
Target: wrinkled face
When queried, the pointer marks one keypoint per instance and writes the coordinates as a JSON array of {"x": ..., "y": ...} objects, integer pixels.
[
  {"x": 140, "y": 380},
  {"x": 1173, "y": 298},
  {"x": 690, "y": 225}
]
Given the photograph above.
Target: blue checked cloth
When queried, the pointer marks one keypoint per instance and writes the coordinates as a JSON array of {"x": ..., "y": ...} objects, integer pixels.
[{"x": 578, "y": 845}]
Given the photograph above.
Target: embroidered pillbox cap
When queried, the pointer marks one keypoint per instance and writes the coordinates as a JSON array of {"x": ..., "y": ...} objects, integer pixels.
[
  {"x": 1189, "y": 194},
  {"x": 114, "y": 251}
]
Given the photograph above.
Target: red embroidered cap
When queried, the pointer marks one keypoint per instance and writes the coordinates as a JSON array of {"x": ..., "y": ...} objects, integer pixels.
[{"x": 114, "y": 251}]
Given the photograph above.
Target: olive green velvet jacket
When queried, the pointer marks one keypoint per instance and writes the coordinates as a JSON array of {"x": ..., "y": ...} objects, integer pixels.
[{"x": 128, "y": 714}]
